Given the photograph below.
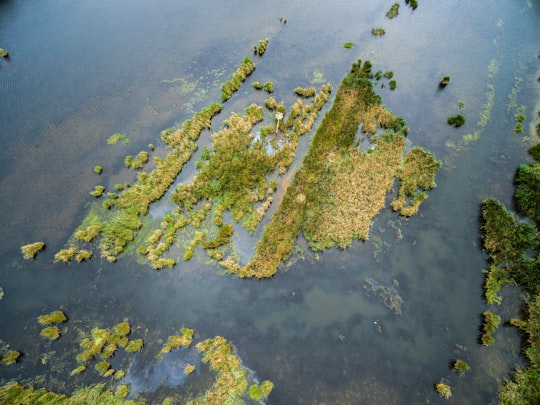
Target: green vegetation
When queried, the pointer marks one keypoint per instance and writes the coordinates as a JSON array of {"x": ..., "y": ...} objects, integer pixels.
[
  {"x": 268, "y": 87},
  {"x": 393, "y": 84},
  {"x": 15, "y": 393},
  {"x": 496, "y": 277},
  {"x": 115, "y": 138},
  {"x": 261, "y": 48},
  {"x": 305, "y": 92},
  {"x": 338, "y": 189},
  {"x": 444, "y": 81},
  {"x": 51, "y": 332},
  {"x": 460, "y": 366},
  {"x": 134, "y": 346},
  {"x": 10, "y": 358},
  {"x": 348, "y": 45},
  {"x": 241, "y": 73},
  {"x": 491, "y": 322},
  {"x": 178, "y": 341},
  {"x": 4, "y": 53},
  {"x": 412, "y": 3},
  {"x": 32, "y": 249},
  {"x": 188, "y": 369},
  {"x": 378, "y": 32},
  {"x": 393, "y": 12},
  {"x": 52, "y": 318},
  {"x": 98, "y": 191},
  {"x": 138, "y": 162},
  {"x": 257, "y": 85},
  {"x": 231, "y": 383},
  {"x": 444, "y": 390},
  {"x": 456, "y": 120},
  {"x": 98, "y": 169}
]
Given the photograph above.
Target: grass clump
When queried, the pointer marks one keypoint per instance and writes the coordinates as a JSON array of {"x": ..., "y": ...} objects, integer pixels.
[
  {"x": 393, "y": 84},
  {"x": 188, "y": 369},
  {"x": 496, "y": 277},
  {"x": 10, "y": 357},
  {"x": 52, "y": 318},
  {"x": 491, "y": 322},
  {"x": 261, "y": 48},
  {"x": 348, "y": 45},
  {"x": 241, "y": 73},
  {"x": 444, "y": 390},
  {"x": 412, "y": 4},
  {"x": 134, "y": 346},
  {"x": 177, "y": 341},
  {"x": 30, "y": 250},
  {"x": 456, "y": 120},
  {"x": 98, "y": 169},
  {"x": 51, "y": 332},
  {"x": 378, "y": 32},
  {"x": 305, "y": 92},
  {"x": 98, "y": 191},
  {"x": 115, "y": 138},
  {"x": 460, "y": 366},
  {"x": 393, "y": 11},
  {"x": 4, "y": 53}
]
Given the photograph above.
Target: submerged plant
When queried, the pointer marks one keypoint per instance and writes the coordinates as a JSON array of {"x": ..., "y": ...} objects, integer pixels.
[{"x": 32, "y": 249}]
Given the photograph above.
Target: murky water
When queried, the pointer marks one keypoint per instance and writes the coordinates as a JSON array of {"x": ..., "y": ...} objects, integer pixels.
[{"x": 80, "y": 71}]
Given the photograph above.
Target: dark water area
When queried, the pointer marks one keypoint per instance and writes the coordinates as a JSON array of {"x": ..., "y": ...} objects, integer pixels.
[{"x": 80, "y": 71}]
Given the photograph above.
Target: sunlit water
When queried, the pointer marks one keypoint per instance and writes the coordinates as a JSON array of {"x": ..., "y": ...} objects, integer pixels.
[{"x": 80, "y": 71}]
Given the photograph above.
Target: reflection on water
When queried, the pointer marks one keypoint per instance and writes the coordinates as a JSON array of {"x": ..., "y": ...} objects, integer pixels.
[{"x": 312, "y": 329}]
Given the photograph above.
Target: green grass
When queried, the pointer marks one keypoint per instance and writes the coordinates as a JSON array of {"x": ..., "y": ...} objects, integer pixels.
[
  {"x": 30, "y": 250},
  {"x": 393, "y": 11}
]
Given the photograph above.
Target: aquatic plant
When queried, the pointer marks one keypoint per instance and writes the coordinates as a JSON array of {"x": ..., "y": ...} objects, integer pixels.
[
  {"x": 378, "y": 32},
  {"x": 188, "y": 369},
  {"x": 10, "y": 357},
  {"x": 98, "y": 191},
  {"x": 444, "y": 81},
  {"x": 444, "y": 390},
  {"x": 460, "y": 366},
  {"x": 4, "y": 53},
  {"x": 305, "y": 92},
  {"x": 412, "y": 3},
  {"x": 456, "y": 120},
  {"x": 268, "y": 87},
  {"x": 348, "y": 45},
  {"x": 52, "y": 318},
  {"x": 98, "y": 169},
  {"x": 122, "y": 329},
  {"x": 102, "y": 367},
  {"x": 261, "y": 48},
  {"x": 393, "y": 84},
  {"x": 14, "y": 393},
  {"x": 51, "y": 332},
  {"x": 134, "y": 346},
  {"x": 178, "y": 341},
  {"x": 65, "y": 255},
  {"x": 30, "y": 250},
  {"x": 491, "y": 322},
  {"x": 78, "y": 370},
  {"x": 393, "y": 11},
  {"x": 115, "y": 138},
  {"x": 527, "y": 193},
  {"x": 257, "y": 85},
  {"x": 495, "y": 278},
  {"x": 241, "y": 73}
]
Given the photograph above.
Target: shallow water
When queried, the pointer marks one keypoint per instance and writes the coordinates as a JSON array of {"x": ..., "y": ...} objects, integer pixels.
[{"x": 80, "y": 71}]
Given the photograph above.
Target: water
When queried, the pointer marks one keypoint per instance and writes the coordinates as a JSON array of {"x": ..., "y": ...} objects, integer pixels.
[{"x": 81, "y": 71}]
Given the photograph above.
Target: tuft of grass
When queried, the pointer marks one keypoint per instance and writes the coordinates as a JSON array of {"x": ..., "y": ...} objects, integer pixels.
[
  {"x": 10, "y": 357},
  {"x": 456, "y": 120},
  {"x": 460, "y": 366},
  {"x": 98, "y": 169},
  {"x": 51, "y": 332},
  {"x": 444, "y": 390},
  {"x": 393, "y": 11},
  {"x": 52, "y": 318},
  {"x": 32, "y": 249},
  {"x": 348, "y": 45},
  {"x": 378, "y": 32}
]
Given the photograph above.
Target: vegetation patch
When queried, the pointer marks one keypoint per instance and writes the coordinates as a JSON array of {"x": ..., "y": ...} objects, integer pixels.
[
  {"x": 30, "y": 250},
  {"x": 393, "y": 12}
]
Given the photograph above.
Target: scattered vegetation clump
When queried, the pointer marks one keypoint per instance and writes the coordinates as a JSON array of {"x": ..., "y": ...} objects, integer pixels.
[
  {"x": 444, "y": 81},
  {"x": 51, "y": 332},
  {"x": 456, "y": 120},
  {"x": 460, "y": 366},
  {"x": 261, "y": 48},
  {"x": 241, "y": 73},
  {"x": 444, "y": 390},
  {"x": 393, "y": 84},
  {"x": 348, "y": 45},
  {"x": 66, "y": 255},
  {"x": 138, "y": 162},
  {"x": 417, "y": 175},
  {"x": 527, "y": 192},
  {"x": 305, "y": 92},
  {"x": 134, "y": 346},
  {"x": 98, "y": 191},
  {"x": 15, "y": 393},
  {"x": 115, "y": 138},
  {"x": 177, "y": 341},
  {"x": 257, "y": 85},
  {"x": 52, "y": 318},
  {"x": 496, "y": 277},
  {"x": 98, "y": 169},
  {"x": 4, "y": 53},
  {"x": 30, "y": 250},
  {"x": 378, "y": 32},
  {"x": 412, "y": 4},
  {"x": 491, "y": 322},
  {"x": 188, "y": 369},
  {"x": 231, "y": 383},
  {"x": 10, "y": 357},
  {"x": 393, "y": 12},
  {"x": 268, "y": 87}
]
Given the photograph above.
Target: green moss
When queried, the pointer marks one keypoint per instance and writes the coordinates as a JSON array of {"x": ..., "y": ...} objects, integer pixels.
[
  {"x": 51, "y": 332},
  {"x": 30, "y": 250}
]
